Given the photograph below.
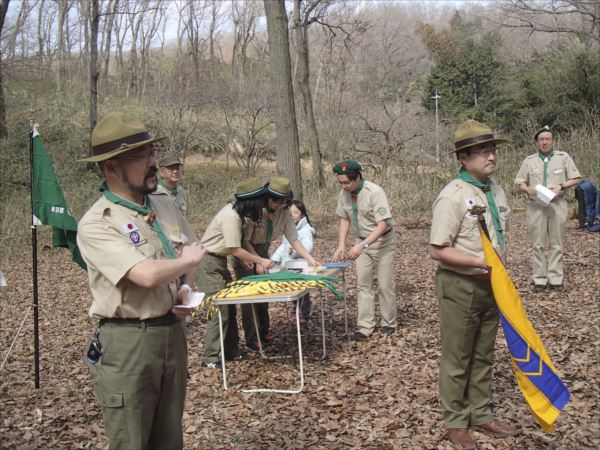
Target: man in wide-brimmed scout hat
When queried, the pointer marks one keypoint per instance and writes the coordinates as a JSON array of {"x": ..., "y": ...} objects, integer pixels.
[
  {"x": 170, "y": 171},
  {"x": 555, "y": 170},
  {"x": 117, "y": 133},
  {"x": 363, "y": 206},
  {"x": 467, "y": 309},
  {"x": 472, "y": 133},
  {"x": 134, "y": 273},
  {"x": 276, "y": 221}
]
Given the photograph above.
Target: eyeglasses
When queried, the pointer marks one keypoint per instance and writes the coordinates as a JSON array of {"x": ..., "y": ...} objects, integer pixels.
[
  {"x": 140, "y": 157},
  {"x": 486, "y": 152}
]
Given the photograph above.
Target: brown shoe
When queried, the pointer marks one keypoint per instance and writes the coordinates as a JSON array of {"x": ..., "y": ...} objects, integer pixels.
[
  {"x": 497, "y": 428},
  {"x": 461, "y": 437}
]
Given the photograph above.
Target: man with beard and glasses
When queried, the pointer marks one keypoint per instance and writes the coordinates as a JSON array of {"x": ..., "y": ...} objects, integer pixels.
[
  {"x": 137, "y": 355},
  {"x": 467, "y": 308}
]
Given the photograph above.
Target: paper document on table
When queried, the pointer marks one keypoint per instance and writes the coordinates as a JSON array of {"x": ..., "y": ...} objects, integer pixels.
[
  {"x": 337, "y": 265},
  {"x": 194, "y": 300},
  {"x": 544, "y": 195}
]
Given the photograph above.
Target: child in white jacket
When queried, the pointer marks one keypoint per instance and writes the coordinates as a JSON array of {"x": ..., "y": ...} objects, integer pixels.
[{"x": 285, "y": 252}]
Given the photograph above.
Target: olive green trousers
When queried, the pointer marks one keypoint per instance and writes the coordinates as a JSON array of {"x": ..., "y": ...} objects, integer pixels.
[
  {"x": 140, "y": 379},
  {"x": 469, "y": 324}
]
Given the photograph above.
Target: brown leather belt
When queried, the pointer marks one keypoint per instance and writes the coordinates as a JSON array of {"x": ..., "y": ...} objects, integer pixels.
[
  {"x": 363, "y": 238},
  {"x": 166, "y": 320},
  {"x": 481, "y": 276}
]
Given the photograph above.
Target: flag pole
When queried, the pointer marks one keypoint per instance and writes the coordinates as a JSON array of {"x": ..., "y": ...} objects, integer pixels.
[{"x": 36, "y": 336}]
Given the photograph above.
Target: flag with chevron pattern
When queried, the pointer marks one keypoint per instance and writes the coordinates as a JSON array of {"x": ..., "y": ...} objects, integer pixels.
[{"x": 537, "y": 377}]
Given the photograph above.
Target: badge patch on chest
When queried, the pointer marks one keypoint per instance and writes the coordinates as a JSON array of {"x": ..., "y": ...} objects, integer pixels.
[
  {"x": 136, "y": 239},
  {"x": 470, "y": 202},
  {"x": 557, "y": 171}
]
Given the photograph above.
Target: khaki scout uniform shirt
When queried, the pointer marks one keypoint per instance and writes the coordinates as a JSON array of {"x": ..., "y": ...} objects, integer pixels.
[
  {"x": 257, "y": 232},
  {"x": 224, "y": 232},
  {"x": 113, "y": 239},
  {"x": 454, "y": 226},
  {"x": 181, "y": 196},
  {"x": 372, "y": 206},
  {"x": 560, "y": 169}
]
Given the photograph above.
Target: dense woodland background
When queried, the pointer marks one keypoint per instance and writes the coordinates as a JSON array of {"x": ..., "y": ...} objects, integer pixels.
[
  {"x": 362, "y": 75},
  {"x": 262, "y": 88}
]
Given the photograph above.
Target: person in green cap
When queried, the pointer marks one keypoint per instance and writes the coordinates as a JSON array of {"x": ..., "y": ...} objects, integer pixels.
[
  {"x": 555, "y": 170},
  {"x": 467, "y": 308},
  {"x": 363, "y": 206},
  {"x": 170, "y": 170},
  {"x": 223, "y": 237},
  {"x": 138, "y": 355},
  {"x": 274, "y": 222}
]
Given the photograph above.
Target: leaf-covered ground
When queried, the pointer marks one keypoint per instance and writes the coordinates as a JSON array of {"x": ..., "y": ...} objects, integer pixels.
[{"x": 377, "y": 394}]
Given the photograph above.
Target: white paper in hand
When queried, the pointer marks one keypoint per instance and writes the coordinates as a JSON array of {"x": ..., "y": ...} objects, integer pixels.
[
  {"x": 544, "y": 195},
  {"x": 194, "y": 300}
]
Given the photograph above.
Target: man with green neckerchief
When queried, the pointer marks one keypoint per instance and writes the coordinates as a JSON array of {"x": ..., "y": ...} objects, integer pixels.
[
  {"x": 363, "y": 206},
  {"x": 169, "y": 170},
  {"x": 138, "y": 354},
  {"x": 467, "y": 308},
  {"x": 555, "y": 170}
]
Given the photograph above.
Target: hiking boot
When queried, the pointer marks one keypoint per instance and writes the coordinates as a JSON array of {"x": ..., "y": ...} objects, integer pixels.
[
  {"x": 212, "y": 365},
  {"x": 268, "y": 339},
  {"x": 496, "y": 428},
  {"x": 558, "y": 287},
  {"x": 539, "y": 288},
  {"x": 388, "y": 330},
  {"x": 254, "y": 347},
  {"x": 461, "y": 437},
  {"x": 358, "y": 336}
]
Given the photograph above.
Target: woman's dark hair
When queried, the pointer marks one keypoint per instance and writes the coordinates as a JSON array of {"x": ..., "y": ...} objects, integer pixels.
[
  {"x": 298, "y": 204},
  {"x": 250, "y": 207}
]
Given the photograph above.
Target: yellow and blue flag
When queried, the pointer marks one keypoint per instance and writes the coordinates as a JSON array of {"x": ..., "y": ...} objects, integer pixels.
[{"x": 543, "y": 389}]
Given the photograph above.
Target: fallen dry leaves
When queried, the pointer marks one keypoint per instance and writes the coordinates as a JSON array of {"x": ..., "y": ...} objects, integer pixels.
[{"x": 379, "y": 394}]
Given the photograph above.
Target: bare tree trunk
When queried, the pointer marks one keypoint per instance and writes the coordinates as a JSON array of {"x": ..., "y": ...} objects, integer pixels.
[
  {"x": 111, "y": 11},
  {"x": 94, "y": 21},
  {"x": 62, "y": 15},
  {"x": 3, "y": 128},
  {"x": 288, "y": 151},
  {"x": 10, "y": 48},
  {"x": 303, "y": 71}
]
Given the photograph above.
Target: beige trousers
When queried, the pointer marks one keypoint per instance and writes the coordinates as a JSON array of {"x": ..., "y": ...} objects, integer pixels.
[
  {"x": 378, "y": 258},
  {"x": 547, "y": 222}
]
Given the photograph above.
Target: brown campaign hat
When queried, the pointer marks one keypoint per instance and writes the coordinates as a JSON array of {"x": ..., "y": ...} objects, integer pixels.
[
  {"x": 118, "y": 133},
  {"x": 472, "y": 133}
]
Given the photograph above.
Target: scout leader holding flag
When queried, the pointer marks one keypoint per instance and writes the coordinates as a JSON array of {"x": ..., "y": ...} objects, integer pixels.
[
  {"x": 468, "y": 311},
  {"x": 138, "y": 355},
  {"x": 275, "y": 221},
  {"x": 555, "y": 170},
  {"x": 364, "y": 206},
  {"x": 223, "y": 237}
]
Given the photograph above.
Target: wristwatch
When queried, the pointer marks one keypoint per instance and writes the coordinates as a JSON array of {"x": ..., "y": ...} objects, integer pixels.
[
  {"x": 562, "y": 187},
  {"x": 365, "y": 244}
]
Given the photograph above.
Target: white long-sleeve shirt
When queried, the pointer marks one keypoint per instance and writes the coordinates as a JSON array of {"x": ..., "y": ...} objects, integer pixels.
[{"x": 306, "y": 234}]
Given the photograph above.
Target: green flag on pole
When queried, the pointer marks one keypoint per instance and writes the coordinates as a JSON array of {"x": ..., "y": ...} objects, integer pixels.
[{"x": 49, "y": 205}]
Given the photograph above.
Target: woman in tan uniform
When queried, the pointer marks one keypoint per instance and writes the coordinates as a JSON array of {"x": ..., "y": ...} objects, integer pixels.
[{"x": 223, "y": 237}]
